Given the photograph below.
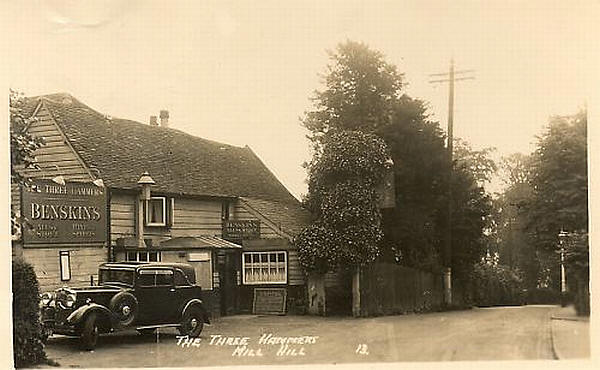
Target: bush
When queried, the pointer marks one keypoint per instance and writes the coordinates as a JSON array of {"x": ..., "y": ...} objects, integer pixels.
[
  {"x": 495, "y": 285},
  {"x": 580, "y": 296},
  {"x": 577, "y": 258},
  {"x": 543, "y": 296},
  {"x": 27, "y": 334}
]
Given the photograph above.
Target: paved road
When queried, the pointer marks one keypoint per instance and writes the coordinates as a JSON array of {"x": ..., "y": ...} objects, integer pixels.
[{"x": 504, "y": 333}]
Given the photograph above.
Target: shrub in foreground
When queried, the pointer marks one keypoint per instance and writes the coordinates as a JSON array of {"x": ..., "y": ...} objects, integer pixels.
[{"x": 27, "y": 339}]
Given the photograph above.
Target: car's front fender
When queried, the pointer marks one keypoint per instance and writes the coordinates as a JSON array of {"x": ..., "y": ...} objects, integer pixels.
[{"x": 77, "y": 316}]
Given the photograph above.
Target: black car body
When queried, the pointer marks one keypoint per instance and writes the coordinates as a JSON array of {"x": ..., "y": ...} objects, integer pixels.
[{"x": 144, "y": 296}]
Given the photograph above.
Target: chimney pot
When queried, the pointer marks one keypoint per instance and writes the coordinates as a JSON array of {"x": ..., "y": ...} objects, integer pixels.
[
  {"x": 164, "y": 118},
  {"x": 153, "y": 121}
]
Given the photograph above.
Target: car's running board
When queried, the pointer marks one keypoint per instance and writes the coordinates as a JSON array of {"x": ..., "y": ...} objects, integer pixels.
[{"x": 157, "y": 326}]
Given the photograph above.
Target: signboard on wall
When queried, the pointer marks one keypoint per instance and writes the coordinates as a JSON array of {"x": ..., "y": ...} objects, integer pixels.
[
  {"x": 74, "y": 213},
  {"x": 269, "y": 301},
  {"x": 387, "y": 191},
  {"x": 199, "y": 256}
]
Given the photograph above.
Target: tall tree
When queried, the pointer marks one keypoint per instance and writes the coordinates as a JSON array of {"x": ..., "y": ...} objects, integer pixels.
[
  {"x": 516, "y": 249},
  {"x": 560, "y": 191},
  {"x": 559, "y": 179},
  {"x": 363, "y": 92},
  {"x": 360, "y": 89}
]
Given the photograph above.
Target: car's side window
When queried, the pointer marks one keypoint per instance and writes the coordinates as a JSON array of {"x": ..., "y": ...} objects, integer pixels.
[
  {"x": 149, "y": 277},
  {"x": 164, "y": 277},
  {"x": 146, "y": 278},
  {"x": 180, "y": 279}
]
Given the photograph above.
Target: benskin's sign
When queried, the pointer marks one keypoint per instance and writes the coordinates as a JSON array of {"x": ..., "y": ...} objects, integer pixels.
[{"x": 73, "y": 213}]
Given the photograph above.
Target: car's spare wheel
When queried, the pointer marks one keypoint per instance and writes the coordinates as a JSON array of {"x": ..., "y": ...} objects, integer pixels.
[{"x": 124, "y": 306}]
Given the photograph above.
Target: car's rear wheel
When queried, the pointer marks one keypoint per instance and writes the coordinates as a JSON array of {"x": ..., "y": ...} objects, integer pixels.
[
  {"x": 192, "y": 322},
  {"x": 89, "y": 332}
]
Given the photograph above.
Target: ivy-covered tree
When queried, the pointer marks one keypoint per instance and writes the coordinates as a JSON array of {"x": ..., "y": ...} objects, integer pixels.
[{"x": 343, "y": 177}]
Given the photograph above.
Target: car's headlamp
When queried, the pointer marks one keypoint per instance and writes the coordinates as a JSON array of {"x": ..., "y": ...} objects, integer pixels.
[
  {"x": 70, "y": 300},
  {"x": 46, "y": 298}
]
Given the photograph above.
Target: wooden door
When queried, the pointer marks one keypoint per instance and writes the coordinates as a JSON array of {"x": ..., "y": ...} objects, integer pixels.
[{"x": 229, "y": 274}]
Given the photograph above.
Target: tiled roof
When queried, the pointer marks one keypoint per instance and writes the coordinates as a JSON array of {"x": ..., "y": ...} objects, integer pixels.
[
  {"x": 179, "y": 163},
  {"x": 289, "y": 218}
]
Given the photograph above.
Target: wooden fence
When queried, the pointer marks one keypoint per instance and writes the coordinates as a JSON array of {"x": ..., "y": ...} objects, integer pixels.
[{"x": 389, "y": 289}]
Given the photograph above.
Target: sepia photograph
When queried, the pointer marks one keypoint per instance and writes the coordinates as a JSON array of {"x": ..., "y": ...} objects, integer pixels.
[{"x": 198, "y": 184}]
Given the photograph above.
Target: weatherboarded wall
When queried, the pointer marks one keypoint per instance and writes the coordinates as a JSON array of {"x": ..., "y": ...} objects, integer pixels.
[
  {"x": 388, "y": 289},
  {"x": 84, "y": 262}
]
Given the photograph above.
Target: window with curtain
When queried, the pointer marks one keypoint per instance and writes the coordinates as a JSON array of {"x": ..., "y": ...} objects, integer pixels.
[
  {"x": 156, "y": 212},
  {"x": 264, "y": 267}
]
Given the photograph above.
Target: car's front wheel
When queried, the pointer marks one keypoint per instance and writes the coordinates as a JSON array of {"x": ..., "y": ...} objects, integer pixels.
[
  {"x": 192, "y": 322},
  {"x": 89, "y": 332}
]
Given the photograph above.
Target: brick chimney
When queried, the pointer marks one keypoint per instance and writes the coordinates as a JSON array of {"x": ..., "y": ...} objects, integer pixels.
[
  {"x": 164, "y": 118},
  {"x": 153, "y": 121}
]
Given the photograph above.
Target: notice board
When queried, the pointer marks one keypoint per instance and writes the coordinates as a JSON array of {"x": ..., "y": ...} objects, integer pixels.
[{"x": 269, "y": 301}]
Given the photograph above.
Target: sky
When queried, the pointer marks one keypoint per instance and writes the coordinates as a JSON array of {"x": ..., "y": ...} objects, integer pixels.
[{"x": 243, "y": 72}]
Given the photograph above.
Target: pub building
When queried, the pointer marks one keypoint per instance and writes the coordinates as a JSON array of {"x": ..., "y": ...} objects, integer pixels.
[{"x": 110, "y": 189}]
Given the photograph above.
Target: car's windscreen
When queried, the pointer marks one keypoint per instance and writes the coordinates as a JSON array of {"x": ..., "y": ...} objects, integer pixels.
[{"x": 108, "y": 276}]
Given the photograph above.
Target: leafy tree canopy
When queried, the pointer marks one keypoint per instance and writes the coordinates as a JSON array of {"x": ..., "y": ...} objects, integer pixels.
[
  {"x": 515, "y": 169},
  {"x": 559, "y": 180},
  {"x": 359, "y": 89}
]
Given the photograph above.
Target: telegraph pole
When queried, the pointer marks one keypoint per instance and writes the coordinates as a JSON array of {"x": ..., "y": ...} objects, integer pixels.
[{"x": 447, "y": 255}]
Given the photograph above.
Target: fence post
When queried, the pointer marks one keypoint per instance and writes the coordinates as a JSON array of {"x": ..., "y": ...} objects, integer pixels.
[{"x": 356, "y": 311}]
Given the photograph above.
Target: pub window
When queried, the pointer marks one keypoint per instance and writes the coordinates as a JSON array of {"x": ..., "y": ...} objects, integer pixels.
[
  {"x": 264, "y": 267},
  {"x": 225, "y": 211},
  {"x": 156, "y": 211},
  {"x": 65, "y": 265},
  {"x": 152, "y": 256}
]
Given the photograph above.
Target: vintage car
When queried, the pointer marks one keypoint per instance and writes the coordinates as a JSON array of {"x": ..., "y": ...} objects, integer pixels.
[{"x": 140, "y": 295}]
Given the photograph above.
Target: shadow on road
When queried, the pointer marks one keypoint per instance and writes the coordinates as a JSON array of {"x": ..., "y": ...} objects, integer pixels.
[{"x": 109, "y": 341}]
